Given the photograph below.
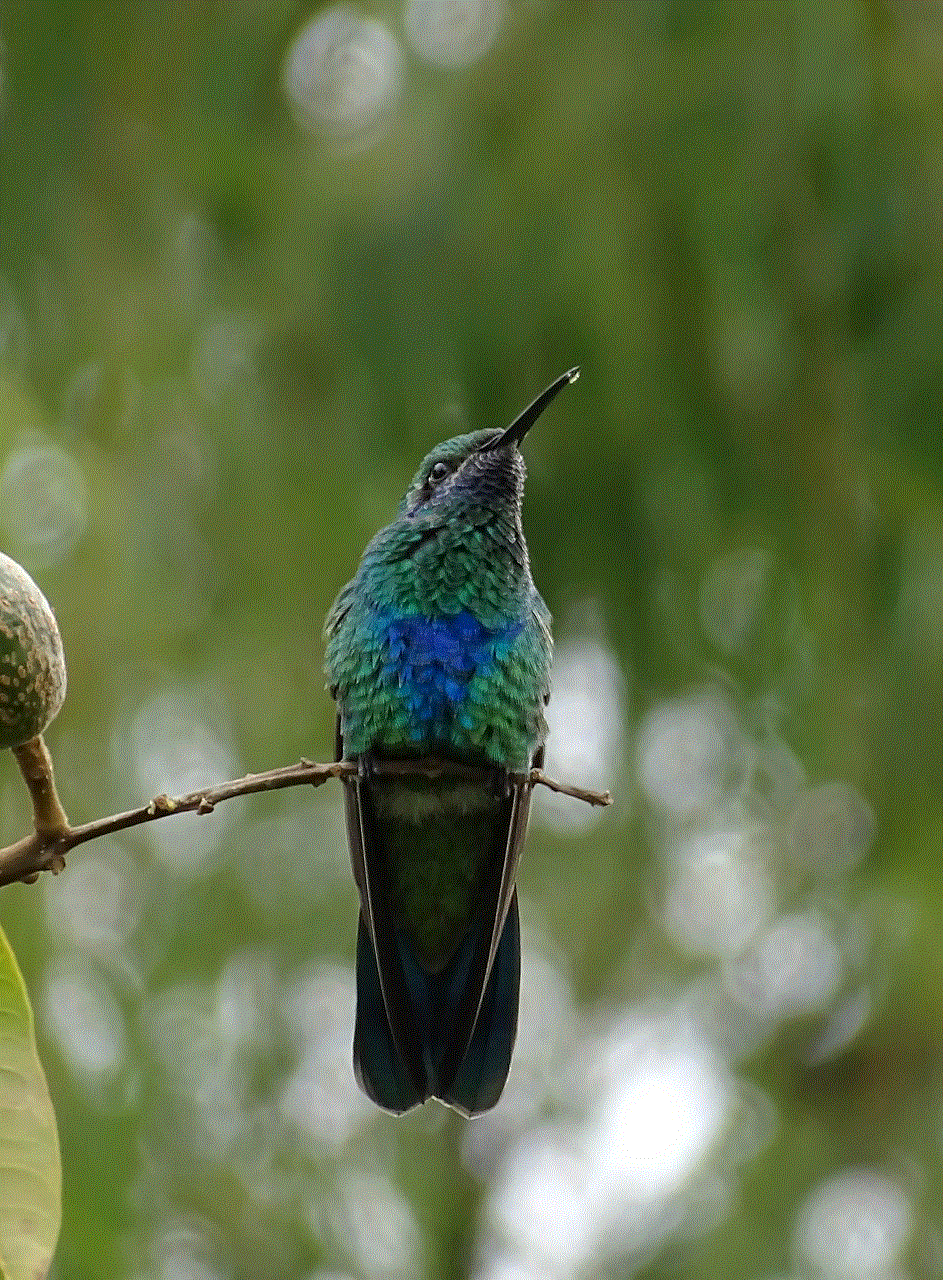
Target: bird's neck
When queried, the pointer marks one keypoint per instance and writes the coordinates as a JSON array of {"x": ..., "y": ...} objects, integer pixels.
[{"x": 479, "y": 571}]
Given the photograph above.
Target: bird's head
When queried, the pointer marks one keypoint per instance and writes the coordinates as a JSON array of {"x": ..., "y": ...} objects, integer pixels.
[{"x": 475, "y": 477}]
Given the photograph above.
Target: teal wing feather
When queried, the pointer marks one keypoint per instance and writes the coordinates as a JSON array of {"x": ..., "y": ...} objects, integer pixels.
[
  {"x": 352, "y": 662},
  {"x": 503, "y": 713}
]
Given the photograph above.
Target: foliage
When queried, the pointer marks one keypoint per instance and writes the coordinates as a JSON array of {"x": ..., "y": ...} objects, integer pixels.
[{"x": 30, "y": 1173}]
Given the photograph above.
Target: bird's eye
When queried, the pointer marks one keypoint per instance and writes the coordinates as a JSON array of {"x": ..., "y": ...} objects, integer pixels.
[{"x": 439, "y": 472}]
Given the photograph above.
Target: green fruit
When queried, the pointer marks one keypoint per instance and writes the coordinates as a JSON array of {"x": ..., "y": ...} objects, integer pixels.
[{"x": 32, "y": 663}]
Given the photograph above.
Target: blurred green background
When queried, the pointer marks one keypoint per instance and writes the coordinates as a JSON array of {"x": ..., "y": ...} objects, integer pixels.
[{"x": 255, "y": 259}]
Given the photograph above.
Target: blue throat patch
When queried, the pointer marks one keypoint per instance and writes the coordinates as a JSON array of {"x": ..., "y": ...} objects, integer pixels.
[{"x": 433, "y": 661}]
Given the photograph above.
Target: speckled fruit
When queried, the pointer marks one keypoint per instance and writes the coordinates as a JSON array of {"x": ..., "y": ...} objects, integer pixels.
[{"x": 32, "y": 664}]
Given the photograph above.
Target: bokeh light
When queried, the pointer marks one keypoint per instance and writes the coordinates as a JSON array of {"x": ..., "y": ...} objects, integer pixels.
[
  {"x": 173, "y": 751},
  {"x": 720, "y": 891},
  {"x": 653, "y": 1099},
  {"x": 855, "y": 1226},
  {"x": 585, "y": 717},
  {"x": 342, "y": 73},
  {"x": 82, "y": 1015},
  {"x": 452, "y": 33},
  {"x": 690, "y": 754},
  {"x": 44, "y": 499},
  {"x": 375, "y": 1225},
  {"x": 182, "y": 1252},
  {"x": 831, "y": 827},
  {"x": 317, "y": 1096},
  {"x": 98, "y": 909},
  {"x": 795, "y": 967}
]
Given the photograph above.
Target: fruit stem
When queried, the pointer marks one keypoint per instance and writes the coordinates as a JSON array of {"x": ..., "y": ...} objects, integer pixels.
[{"x": 35, "y": 763}]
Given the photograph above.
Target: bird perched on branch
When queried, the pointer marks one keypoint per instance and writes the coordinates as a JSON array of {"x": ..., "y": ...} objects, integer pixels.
[{"x": 440, "y": 646}]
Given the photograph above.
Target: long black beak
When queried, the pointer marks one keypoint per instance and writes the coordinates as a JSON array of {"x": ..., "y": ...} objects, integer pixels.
[{"x": 524, "y": 421}]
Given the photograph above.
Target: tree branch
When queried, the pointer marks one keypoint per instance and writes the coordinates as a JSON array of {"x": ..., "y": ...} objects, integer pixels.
[{"x": 46, "y": 850}]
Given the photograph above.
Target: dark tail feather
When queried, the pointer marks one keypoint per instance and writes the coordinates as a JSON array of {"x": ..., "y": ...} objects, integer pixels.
[
  {"x": 483, "y": 1070},
  {"x": 380, "y": 1070},
  {"x": 478, "y": 1083}
]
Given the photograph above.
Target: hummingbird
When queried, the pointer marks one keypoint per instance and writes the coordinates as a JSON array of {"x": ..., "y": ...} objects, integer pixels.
[{"x": 440, "y": 646}]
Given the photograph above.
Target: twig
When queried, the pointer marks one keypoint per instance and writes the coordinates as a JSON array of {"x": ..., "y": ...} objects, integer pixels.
[
  {"x": 46, "y": 850},
  {"x": 36, "y": 767},
  {"x": 537, "y": 778},
  {"x": 50, "y": 823}
]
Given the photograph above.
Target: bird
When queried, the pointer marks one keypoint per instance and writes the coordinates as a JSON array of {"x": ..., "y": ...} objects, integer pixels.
[{"x": 440, "y": 647}]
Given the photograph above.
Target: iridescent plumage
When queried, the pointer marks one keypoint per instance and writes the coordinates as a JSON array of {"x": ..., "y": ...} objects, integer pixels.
[{"x": 440, "y": 646}]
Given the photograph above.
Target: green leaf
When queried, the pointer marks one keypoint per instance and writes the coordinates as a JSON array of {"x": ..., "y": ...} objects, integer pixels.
[{"x": 30, "y": 1171}]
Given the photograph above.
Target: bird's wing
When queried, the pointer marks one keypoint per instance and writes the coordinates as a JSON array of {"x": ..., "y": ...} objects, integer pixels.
[
  {"x": 403, "y": 1083},
  {"x": 496, "y": 893},
  {"x": 340, "y": 608},
  {"x": 450, "y": 1034}
]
